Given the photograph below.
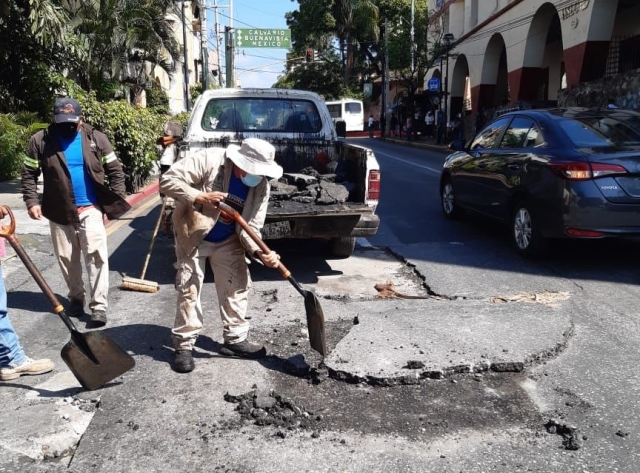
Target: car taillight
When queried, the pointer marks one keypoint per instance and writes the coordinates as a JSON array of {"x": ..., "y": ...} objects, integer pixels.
[
  {"x": 582, "y": 171},
  {"x": 374, "y": 185}
]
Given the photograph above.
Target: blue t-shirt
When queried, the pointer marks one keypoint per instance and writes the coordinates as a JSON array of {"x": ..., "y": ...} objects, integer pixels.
[
  {"x": 225, "y": 226},
  {"x": 82, "y": 184}
]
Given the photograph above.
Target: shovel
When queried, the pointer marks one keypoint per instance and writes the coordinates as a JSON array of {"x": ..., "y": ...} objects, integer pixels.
[
  {"x": 315, "y": 316},
  {"x": 93, "y": 357}
]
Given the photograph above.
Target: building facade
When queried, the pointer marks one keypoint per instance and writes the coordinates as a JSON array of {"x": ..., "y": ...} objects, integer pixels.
[{"x": 511, "y": 51}]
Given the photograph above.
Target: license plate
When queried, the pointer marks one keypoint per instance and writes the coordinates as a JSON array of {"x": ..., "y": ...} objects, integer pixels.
[{"x": 274, "y": 230}]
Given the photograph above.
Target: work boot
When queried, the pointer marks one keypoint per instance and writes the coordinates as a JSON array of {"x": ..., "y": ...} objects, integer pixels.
[
  {"x": 76, "y": 308},
  {"x": 244, "y": 349},
  {"x": 183, "y": 361},
  {"x": 99, "y": 317},
  {"x": 27, "y": 367}
]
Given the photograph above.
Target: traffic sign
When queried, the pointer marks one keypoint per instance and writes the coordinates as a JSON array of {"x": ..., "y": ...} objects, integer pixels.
[
  {"x": 434, "y": 84},
  {"x": 262, "y": 38}
]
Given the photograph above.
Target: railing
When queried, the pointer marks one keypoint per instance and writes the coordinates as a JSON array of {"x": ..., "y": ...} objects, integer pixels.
[{"x": 624, "y": 55}]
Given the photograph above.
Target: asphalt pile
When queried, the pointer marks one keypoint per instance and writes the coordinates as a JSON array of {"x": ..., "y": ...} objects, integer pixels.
[
  {"x": 310, "y": 187},
  {"x": 268, "y": 408}
]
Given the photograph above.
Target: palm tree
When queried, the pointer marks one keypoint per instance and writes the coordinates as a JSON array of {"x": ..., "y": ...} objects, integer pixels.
[{"x": 355, "y": 19}]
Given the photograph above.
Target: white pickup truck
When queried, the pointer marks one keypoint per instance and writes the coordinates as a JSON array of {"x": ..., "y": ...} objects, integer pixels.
[{"x": 318, "y": 165}]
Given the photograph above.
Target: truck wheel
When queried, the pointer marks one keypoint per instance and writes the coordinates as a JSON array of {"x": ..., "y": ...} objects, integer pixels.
[{"x": 343, "y": 247}]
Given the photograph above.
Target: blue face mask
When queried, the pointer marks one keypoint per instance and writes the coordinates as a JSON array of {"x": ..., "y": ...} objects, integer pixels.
[{"x": 250, "y": 180}]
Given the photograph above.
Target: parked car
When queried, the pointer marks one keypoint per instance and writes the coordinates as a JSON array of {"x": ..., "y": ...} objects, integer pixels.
[{"x": 561, "y": 173}]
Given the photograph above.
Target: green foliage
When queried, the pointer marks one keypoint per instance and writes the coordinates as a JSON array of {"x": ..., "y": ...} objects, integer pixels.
[
  {"x": 182, "y": 118},
  {"x": 157, "y": 99},
  {"x": 195, "y": 91},
  {"x": 15, "y": 131},
  {"x": 133, "y": 133}
]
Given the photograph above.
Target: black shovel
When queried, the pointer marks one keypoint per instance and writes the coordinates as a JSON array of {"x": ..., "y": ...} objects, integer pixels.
[
  {"x": 93, "y": 357},
  {"x": 315, "y": 316}
]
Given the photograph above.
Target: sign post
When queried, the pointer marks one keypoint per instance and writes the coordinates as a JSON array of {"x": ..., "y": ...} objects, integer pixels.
[{"x": 434, "y": 84}]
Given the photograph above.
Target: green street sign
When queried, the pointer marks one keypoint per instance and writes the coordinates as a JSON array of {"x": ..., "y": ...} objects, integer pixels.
[{"x": 262, "y": 38}]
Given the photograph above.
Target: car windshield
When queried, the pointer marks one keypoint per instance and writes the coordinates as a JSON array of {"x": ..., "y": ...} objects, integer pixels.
[
  {"x": 607, "y": 131},
  {"x": 261, "y": 114}
]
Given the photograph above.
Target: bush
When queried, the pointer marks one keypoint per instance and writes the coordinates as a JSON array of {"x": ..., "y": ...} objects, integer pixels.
[
  {"x": 133, "y": 133},
  {"x": 157, "y": 99},
  {"x": 15, "y": 131}
]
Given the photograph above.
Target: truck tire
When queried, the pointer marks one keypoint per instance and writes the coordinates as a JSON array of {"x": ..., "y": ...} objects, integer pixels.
[{"x": 343, "y": 247}]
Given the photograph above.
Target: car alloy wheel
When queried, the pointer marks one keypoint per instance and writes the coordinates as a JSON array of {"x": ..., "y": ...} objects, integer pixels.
[
  {"x": 522, "y": 231},
  {"x": 448, "y": 197},
  {"x": 525, "y": 231}
]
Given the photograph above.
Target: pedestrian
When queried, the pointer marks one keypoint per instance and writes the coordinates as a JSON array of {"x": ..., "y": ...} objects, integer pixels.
[
  {"x": 409, "y": 128},
  {"x": 13, "y": 361},
  {"x": 370, "y": 125},
  {"x": 238, "y": 177},
  {"x": 74, "y": 159},
  {"x": 429, "y": 120},
  {"x": 441, "y": 128},
  {"x": 394, "y": 124}
]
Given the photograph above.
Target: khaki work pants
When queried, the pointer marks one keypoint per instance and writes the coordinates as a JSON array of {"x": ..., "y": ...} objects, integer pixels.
[
  {"x": 90, "y": 241},
  {"x": 232, "y": 281}
]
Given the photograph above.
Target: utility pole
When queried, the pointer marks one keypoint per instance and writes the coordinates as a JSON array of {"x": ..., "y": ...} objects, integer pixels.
[
  {"x": 413, "y": 48},
  {"x": 385, "y": 78},
  {"x": 204, "y": 51},
  {"x": 218, "y": 43},
  {"x": 185, "y": 62},
  {"x": 229, "y": 56}
]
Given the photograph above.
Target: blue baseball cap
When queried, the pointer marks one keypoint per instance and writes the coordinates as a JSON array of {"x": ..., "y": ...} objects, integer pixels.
[{"x": 67, "y": 110}]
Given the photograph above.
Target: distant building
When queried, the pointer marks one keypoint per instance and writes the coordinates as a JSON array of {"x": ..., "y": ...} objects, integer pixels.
[{"x": 507, "y": 51}]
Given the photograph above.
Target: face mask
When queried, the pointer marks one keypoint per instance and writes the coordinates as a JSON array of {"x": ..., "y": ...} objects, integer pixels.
[
  {"x": 68, "y": 131},
  {"x": 250, "y": 180}
]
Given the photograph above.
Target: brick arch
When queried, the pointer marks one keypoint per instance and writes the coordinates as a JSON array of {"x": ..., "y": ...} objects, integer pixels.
[
  {"x": 493, "y": 88},
  {"x": 537, "y": 36}
]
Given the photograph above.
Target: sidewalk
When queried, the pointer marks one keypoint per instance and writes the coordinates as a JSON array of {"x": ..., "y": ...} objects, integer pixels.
[
  {"x": 423, "y": 143},
  {"x": 11, "y": 196}
]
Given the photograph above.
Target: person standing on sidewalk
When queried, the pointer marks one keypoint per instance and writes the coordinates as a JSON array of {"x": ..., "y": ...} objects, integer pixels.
[
  {"x": 238, "y": 177},
  {"x": 370, "y": 124},
  {"x": 13, "y": 361},
  {"x": 74, "y": 160}
]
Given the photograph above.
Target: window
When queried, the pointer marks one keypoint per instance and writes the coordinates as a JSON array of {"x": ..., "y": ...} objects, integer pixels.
[
  {"x": 522, "y": 133},
  {"x": 489, "y": 136},
  {"x": 260, "y": 114},
  {"x": 594, "y": 132}
]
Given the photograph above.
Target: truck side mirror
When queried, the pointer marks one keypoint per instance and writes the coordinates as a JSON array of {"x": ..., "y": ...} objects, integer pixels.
[{"x": 341, "y": 128}]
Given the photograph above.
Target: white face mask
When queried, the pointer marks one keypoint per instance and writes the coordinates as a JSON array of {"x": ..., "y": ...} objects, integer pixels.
[{"x": 250, "y": 180}]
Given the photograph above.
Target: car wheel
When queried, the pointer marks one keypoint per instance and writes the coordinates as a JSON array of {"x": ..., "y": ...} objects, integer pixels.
[
  {"x": 449, "y": 206},
  {"x": 343, "y": 247},
  {"x": 525, "y": 232}
]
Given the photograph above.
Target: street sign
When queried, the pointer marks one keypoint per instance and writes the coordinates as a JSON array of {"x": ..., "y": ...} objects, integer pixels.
[
  {"x": 434, "y": 84},
  {"x": 262, "y": 38}
]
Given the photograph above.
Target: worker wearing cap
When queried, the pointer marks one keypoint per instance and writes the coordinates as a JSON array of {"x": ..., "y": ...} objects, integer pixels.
[
  {"x": 75, "y": 160},
  {"x": 237, "y": 176}
]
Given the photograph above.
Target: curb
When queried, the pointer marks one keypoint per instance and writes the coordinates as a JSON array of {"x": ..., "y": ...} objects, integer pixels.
[{"x": 140, "y": 196}]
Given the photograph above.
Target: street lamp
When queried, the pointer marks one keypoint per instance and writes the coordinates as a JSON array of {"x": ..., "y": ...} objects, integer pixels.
[{"x": 448, "y": 39}]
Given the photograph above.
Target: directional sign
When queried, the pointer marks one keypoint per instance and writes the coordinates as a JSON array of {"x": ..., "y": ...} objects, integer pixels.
[
  {"x": 434, "y": 84},
  {"x": 262, "y": 38}
]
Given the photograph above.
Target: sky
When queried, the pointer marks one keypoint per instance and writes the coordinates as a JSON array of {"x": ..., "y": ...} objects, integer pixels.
[{"x": 255, "y": 67}]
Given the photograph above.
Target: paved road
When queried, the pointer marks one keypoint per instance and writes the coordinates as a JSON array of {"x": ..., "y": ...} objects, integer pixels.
[{"x": 468, "y": 378}]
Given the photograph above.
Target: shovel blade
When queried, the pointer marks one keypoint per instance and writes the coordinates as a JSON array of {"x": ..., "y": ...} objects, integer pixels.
[
  {"x": 105, "y": 362},
  {"x": 315, "y": 323}
]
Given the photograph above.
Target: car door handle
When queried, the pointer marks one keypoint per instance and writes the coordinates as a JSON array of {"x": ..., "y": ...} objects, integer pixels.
[{"x": 513, "y": 167}]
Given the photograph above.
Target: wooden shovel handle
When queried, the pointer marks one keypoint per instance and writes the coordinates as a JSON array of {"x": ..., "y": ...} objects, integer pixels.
[
  {"x": 231, "y": 212},
  {"x": 6, "y": 231}
]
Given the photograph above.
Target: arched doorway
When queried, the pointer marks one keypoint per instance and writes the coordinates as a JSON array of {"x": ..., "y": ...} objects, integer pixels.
[
  {"x": 459, "y": 81},
  {"x": 493, "y": 90},
  {"x": 541, "y": 76}
]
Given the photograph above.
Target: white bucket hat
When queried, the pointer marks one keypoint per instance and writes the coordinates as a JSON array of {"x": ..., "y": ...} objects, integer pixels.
[{"x": 256, "y": 157}]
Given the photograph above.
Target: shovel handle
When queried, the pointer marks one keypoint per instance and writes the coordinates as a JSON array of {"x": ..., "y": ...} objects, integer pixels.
[
  {"x": 5, "y": 230},
  {"x": 8, "y": 232},
  {"x": 231, "y": 212}
]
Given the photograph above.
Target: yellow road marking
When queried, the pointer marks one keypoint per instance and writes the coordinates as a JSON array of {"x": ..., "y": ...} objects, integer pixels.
[{"x": 112, "y": 227}]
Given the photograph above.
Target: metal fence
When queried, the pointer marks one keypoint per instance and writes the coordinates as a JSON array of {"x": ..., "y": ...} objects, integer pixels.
[{"x": 624, "y": 55}]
